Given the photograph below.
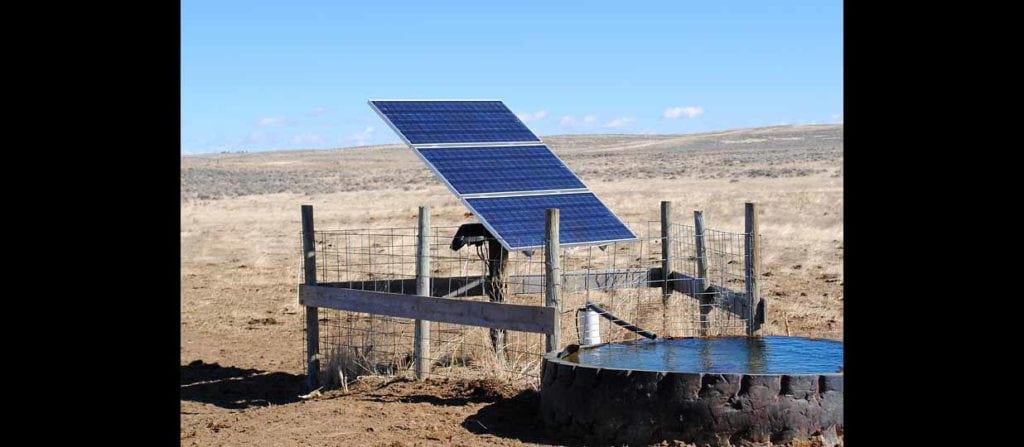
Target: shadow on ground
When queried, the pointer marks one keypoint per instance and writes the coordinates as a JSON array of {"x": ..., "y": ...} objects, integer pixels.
[
  {"x": 423, "y": 398},
  {"x": 438, "y": 392},
  {"x": 237, "y": 388},
  {"x": 517, "y": 418}
]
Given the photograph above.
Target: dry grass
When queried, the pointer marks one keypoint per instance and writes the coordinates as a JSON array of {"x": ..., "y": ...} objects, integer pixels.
[
  {"x": 239, "y": 232},
  {"x": 240, "y": 264}
]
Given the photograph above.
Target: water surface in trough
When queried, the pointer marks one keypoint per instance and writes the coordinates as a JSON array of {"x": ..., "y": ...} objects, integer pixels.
[{"x": 738, "y": 355}]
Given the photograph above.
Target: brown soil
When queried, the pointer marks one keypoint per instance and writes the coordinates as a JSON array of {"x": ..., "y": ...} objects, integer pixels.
[
  {"x": 242, "y": 327},
  {"x": 232, "y": 406}
]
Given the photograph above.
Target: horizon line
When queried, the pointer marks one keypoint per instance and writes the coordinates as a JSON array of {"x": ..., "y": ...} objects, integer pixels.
[{"x": 400, "y": 144}]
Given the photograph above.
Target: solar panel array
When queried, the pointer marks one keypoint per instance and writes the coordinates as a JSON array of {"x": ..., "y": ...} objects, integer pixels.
[
  {"x": 582, "y": 218},
  {"x": 492, "y": 162},
  {"x": 475, "y": 170},
  {"x": 436, "y": 122}
]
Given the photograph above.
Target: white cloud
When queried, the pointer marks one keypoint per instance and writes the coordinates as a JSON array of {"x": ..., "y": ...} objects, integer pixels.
[
  {"x": 535, "y": 116},
  {"x": 270, "y": 121},
  {"x": 572, "y": 121},
  {"x": 362, "y": 137},
  {"x": 837, "y": 118},
  {"x": 258, "y": 136},
  {"x": 317, "y": 111},
  {"x": 308, "y": 138},
  {"x": 680, "y": 112},
  {"x": 620, "y": 122}
]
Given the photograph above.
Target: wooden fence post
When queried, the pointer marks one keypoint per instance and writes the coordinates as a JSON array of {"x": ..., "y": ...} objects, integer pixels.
[
  {"x": 666, "y": 262},
  {"x": 422, "y": 336},
  {"x": 752, "y": 245},
  {"x": 312, "y": 313},
  {"x": 553, "y": 278},
  {"x": 705, "y": 299}
]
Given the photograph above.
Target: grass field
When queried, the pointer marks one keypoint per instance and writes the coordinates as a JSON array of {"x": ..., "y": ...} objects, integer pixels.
[{"x": 241, "y": 325}]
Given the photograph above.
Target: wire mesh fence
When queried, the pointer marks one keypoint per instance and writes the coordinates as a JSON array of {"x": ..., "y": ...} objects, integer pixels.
[
  {"x": 354, "y": 343},
  {"x": 623, "y": 278}
]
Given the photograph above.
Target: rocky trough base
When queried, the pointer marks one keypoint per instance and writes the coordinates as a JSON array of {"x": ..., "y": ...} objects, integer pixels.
[{"x": 615, "y": 406}]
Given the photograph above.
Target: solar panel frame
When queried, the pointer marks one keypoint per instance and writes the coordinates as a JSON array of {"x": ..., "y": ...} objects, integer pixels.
[{"x": 464, "y": 198}]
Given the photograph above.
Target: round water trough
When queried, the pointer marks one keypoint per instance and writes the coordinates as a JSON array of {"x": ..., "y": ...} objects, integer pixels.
[{"x": 707, "y": 390}]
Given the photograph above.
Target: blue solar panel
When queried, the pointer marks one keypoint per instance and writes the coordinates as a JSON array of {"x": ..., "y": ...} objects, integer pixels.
[
  {"x": 434, "y": 122},
  {"x": 486, "y": 168},
  {"x": 474, "y": 170},
  {"x": 519, "y": 220}
]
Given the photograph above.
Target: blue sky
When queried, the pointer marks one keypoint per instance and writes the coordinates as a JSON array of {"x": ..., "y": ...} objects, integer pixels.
[{"x": 296, "y": 75}]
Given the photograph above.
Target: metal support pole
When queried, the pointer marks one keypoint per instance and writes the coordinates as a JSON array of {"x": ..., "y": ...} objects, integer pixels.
[{"x": 497, "y": 260}]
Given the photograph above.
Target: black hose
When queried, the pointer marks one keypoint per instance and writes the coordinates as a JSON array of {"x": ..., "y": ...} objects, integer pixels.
[{"x": 618, "y": 321}]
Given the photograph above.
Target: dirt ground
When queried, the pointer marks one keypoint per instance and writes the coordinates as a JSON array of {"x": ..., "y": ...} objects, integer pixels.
[
  {"x": 241, "y": 325},
  {"x": 375, "y": 411}
]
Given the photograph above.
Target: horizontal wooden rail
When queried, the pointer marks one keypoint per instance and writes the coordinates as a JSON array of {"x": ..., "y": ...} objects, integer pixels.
[
  {"x": 446, "y": 287},
  {"x": 513, "y": 317},
  {"x": 627, "y": 278},
  {"x": 737, "y": 303},
  {"x": 456, "y": 286},
  {"x": 685, "y": 284}
]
